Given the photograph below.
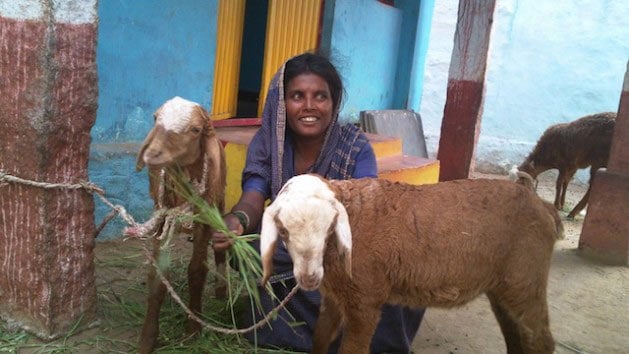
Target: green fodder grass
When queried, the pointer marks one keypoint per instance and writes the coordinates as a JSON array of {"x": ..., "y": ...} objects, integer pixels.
[{"x": 121, "y": 289}]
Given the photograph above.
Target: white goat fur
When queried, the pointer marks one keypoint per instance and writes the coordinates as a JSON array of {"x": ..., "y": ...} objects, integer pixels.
[{"x": 420, "y": 246}]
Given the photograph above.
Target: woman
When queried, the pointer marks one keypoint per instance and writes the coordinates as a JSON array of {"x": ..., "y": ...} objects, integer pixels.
[{"x": 300, "y": 134}]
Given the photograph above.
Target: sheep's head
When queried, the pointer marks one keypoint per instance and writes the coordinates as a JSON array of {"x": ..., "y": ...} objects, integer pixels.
[
  {"x": 304, "y": 215},
  {"x": 176, "y": 135},
  {"x": 529, "y": 167}
]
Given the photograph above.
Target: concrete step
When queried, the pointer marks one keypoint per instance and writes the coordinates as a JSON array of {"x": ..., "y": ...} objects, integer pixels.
[
  {"x": 385, "y": 146},
  {"x": 409, "y": 169},
  {"x": 392, "y": 164}
]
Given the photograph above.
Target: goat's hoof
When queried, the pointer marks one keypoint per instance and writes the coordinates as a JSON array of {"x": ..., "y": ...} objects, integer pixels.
[{"x": 146, "y": 346}]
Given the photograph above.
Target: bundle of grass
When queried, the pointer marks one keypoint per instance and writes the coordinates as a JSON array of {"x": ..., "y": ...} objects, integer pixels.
[{"x": 245, "y": 260}]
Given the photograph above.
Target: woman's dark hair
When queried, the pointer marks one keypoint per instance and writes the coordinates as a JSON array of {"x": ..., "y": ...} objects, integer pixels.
[{"x": 310, "y": 63}]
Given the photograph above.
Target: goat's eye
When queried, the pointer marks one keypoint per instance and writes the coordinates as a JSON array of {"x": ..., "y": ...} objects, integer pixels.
[
  {"x": 283, "y": 234},
  {"x": 195, "y": 130}
]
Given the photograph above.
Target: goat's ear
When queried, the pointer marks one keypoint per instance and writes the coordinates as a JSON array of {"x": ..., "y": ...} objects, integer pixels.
[
  {"x": 343, "y": 236},
  {"x": 215, "y": 153},
  {"x": 268, "y": 240},
  {"x": 139, "y": 165},
  {"x": 206, "y": 117}
]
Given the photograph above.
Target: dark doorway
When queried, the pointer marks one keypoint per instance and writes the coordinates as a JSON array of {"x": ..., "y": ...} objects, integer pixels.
[{"x": 252, "y": 58}]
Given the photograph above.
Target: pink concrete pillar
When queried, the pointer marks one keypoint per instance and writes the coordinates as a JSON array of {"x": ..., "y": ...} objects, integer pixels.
[
  {"x": 605, "y": 233},
  {"x": 466, "y": 83},
  {"x": 48, "y": 101}
]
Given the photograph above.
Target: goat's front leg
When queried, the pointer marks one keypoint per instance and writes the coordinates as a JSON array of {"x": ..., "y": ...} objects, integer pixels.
[
  {"x": 197, "y": 272},
  {"x": 559, "y": 186},
  {"x": 157, "y": 291},
  {"x": 360, "y": 325},
  {"x": 327, "y": 327},
  {"x": 565, "y": 177},
  {"x": 220, "y": 286},
  {"x": 583, "y": 202}
]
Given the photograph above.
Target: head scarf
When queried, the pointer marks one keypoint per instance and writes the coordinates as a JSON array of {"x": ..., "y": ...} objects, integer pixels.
[{"x": 271, "y": 149}]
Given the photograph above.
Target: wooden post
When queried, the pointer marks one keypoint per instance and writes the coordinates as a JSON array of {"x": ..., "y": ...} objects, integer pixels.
[
  {"x": 48, "y": 100},
  {"x": 464, "y": 101},
  {"x": 605, "y": 233}
]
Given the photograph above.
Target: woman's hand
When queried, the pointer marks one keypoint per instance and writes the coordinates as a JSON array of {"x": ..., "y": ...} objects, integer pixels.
[{"x": 222, "y": 242}]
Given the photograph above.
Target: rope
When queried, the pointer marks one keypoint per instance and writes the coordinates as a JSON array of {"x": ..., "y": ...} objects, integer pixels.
[
  {"x": 206, "y": 325},
  {"x": 90, "y": 187},
  {"x": 165, "y": 216}
]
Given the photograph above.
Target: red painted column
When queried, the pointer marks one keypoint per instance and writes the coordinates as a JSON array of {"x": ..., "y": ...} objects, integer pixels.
[
  {"x": 464, "y": 101},
  {"x": 605, "y": 233},
  {"x": 48, "y": 101}
]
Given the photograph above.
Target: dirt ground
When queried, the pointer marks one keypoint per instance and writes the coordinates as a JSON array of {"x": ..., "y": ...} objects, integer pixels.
[
  {"x": 589, "y": 308},
  {"x": 589, "y": 303}
]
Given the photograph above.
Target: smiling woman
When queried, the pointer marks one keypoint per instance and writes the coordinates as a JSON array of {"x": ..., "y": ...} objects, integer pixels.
[
  {"x": 300, "y": 133},
  {"x": 308, "y": 114}
]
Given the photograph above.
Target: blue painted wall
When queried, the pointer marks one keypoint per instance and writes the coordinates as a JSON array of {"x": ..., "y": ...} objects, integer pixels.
[
  {"x": 365, "y": 42},
  {"x": 408, "y": 30},
  {"x": 422, "y": 37},
  {"x": 148, "y": 51}
]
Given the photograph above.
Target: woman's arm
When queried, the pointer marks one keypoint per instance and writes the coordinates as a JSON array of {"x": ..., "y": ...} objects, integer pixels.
[
  {"x": 366, "y": 165},
  {"x": 243, "y": 218}
]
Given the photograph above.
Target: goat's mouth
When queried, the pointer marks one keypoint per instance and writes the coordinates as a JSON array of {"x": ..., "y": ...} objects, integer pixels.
[{"x": 308, "y": 283}]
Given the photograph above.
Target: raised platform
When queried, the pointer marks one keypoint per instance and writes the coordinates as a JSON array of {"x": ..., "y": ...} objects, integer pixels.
[{"x": 392, "y": 164}]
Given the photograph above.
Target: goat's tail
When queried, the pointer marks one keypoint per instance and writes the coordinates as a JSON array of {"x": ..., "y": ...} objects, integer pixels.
[{"x": 522, "y": 178}]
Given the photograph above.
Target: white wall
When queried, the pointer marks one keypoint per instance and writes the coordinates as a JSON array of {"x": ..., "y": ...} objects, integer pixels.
[{"x": 549, "y": 62}]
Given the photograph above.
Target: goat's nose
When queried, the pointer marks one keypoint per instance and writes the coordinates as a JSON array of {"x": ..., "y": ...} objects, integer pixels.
[
  {"x": 152, "y": 156},
  {"x": 152, "y": 153}
]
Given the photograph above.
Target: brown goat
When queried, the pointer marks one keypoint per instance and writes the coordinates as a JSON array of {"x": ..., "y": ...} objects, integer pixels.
[
  {"x": 368, "y": 242},
  {"x": 568, "y": 147},
  {"x": 182, "y": 141}
]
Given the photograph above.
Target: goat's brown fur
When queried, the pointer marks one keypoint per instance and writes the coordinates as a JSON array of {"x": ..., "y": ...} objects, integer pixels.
[
  {"x": 568, "y": 147},
  {"x": 188, "y": 153},
  {"x": 439, "y": 245}
]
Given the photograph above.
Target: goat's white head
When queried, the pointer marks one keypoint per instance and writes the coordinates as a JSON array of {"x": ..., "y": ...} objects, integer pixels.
[
  {"x": 304, "y": 215},
  {"x": 176, "y": 135}
]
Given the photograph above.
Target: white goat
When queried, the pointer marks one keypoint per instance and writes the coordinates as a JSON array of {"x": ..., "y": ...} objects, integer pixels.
[
  {"x": 368, "y": 242},
  {"x": 182, "y": 141}
]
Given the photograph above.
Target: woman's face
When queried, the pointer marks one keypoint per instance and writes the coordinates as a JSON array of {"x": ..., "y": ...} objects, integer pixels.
[{"x": 308, "y": 105}]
